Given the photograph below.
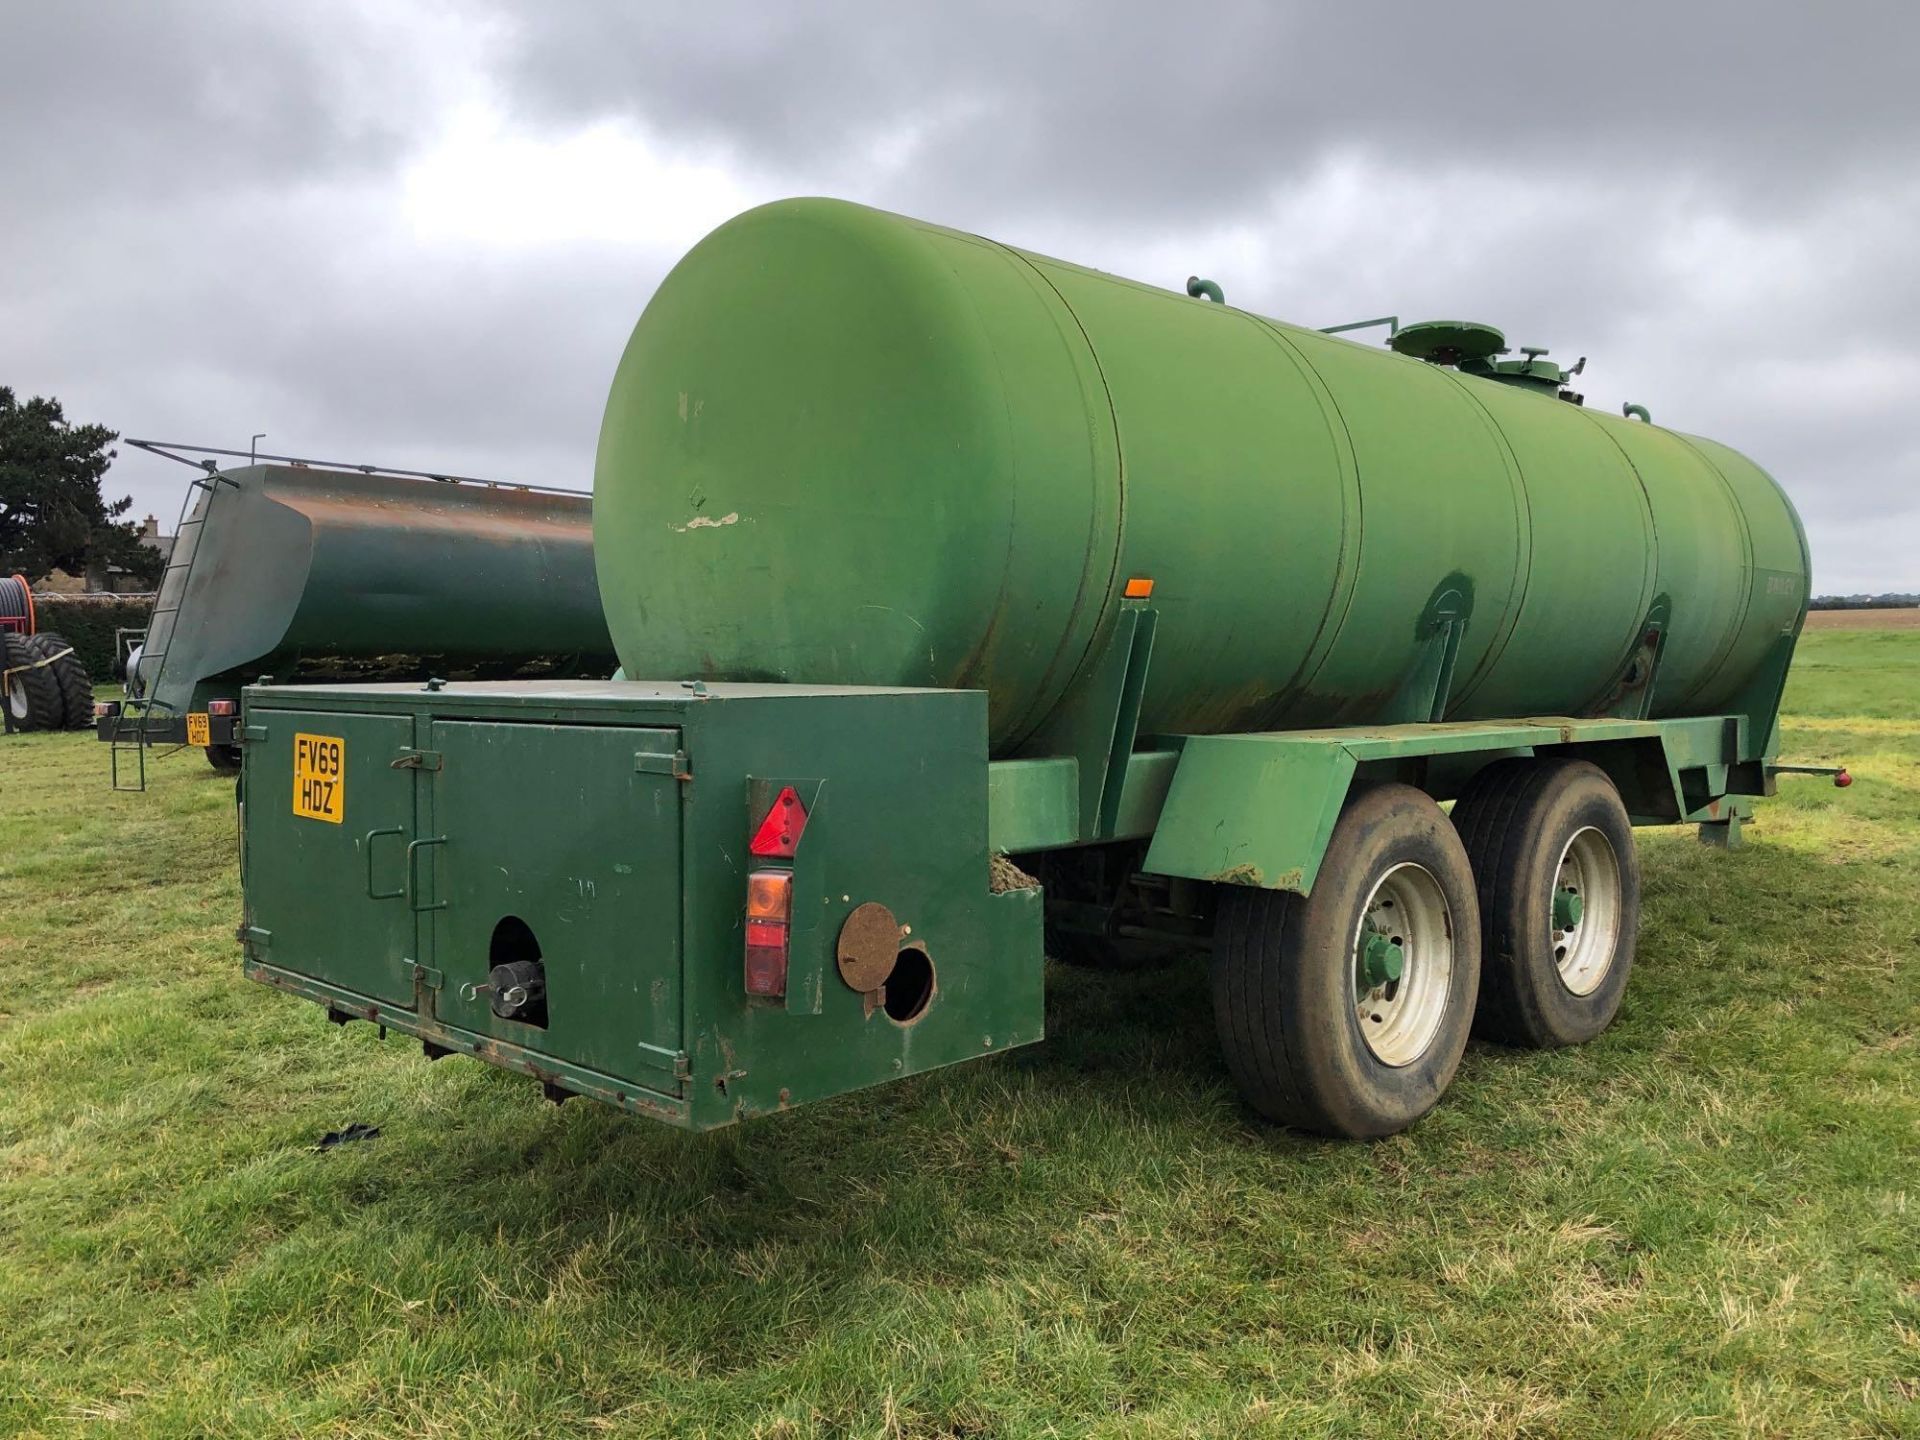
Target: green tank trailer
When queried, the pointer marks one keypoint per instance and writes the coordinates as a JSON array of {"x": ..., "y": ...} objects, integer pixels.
[
  {"x": 310, "y": 573},
  {"x": 980, "y": 605}
]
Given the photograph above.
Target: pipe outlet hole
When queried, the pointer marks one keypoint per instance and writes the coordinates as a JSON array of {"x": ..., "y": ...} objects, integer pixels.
[
  {"x": 909, "y": 989},
  {"x": 516, "y": 973}
]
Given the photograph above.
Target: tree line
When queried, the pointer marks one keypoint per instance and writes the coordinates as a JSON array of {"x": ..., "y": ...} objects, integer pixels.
[
  {"x": 1896, "y": 600},
  {"x": 53, "y": 514}
]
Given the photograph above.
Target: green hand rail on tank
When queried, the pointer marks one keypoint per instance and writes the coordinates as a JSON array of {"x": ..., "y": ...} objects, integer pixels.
[{"x": 1392, "y": 322}]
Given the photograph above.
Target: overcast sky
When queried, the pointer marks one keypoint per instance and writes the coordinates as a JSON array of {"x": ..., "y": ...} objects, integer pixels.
[{"x": 418, "y": 233}]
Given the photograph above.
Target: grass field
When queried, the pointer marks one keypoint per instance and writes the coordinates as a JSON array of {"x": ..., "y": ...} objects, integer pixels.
[{"x": 1705, "y": 1223}]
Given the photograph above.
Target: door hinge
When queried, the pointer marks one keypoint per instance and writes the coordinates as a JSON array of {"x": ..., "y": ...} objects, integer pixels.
[
  {"x": 426, "y": 976},
  {"x": 253, "y": 732},
  {"x": 411, "y": 759},
  {"x": 648, "y": 762}
]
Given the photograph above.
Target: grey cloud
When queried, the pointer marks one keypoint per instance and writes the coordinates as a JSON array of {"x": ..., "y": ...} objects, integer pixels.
[
  {"x": 203, "y": 229},
  {"x": 169, "y": 103},
  {"x": 1135, "y": 110}
]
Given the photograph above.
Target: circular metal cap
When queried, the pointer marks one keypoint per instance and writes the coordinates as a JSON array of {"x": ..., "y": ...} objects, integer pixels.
[
  {"x": 868, "y": 946},
  {"x": 1448, "y": 342}
]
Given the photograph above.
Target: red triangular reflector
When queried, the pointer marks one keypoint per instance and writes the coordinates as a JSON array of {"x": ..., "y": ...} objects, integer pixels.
[{"x": 779, "y": 833}]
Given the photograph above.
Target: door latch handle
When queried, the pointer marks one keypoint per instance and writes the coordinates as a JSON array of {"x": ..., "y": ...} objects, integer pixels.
[
  {"x": 367, "y": 845},
  {"x": 413, "y": 886}
]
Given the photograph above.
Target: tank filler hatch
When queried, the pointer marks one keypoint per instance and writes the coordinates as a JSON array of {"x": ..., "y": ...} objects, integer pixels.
[
  {"x": 1449, "y": 342},
  {"x": 1470, "y": 348}
]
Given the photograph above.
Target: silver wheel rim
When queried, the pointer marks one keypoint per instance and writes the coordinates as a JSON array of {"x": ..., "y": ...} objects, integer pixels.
[
  {"x": 17, "y": 699},
  {"x": 1408, "y": 911},
  {"x": 1583, "y": 951}
]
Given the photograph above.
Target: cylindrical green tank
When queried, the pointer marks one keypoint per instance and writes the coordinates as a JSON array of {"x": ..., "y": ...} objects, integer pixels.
[{"x": 844, "y": 446}]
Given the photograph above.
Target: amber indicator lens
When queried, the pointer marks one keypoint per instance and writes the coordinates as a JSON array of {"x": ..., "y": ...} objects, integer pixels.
[{"x": 768, "y": 894}]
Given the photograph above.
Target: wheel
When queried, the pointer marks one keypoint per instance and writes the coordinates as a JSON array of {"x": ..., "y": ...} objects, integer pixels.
[
  {"x": 32, "y": 695},
  {"x": 70, "y": 676},
  {"x": 1559, "y": 886},
  {"x": 224, "y": 758},
  {"x": 1346, "y": 1011}
]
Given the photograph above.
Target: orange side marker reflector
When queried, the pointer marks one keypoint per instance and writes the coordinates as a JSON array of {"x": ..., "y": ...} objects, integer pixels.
[{"x": 1139, "y": 588}]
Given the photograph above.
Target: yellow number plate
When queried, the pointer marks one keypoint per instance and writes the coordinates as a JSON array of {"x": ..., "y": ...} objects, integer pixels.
[
  {"x": 198, "y": 731},
  {"x": 320, "y": 777}
]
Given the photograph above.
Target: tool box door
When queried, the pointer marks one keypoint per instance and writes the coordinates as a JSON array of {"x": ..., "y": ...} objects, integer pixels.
[
  {"x": 329, "y": 822},
  {"x": 562, "y": 842}
]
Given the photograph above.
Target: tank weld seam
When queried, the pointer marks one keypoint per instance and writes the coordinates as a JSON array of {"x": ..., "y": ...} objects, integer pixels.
[
  {"x": 1350, "y": 575},
  {"x": 1650, "y": 572},
  {"x": 1717, "y": 657},
  {"x": 1517, "y": 604},
  {"x": 1738, "y": 622},
  {"x": 1080, "y": 668},
  {"x": 1005, "y": 589},
  {"x": 1799, "y": 530}
]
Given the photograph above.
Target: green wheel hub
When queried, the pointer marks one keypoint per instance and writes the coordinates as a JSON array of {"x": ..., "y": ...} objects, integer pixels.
[
  {"x": 1567, "y": 909},
  {"x": 1381, "y": 962}
]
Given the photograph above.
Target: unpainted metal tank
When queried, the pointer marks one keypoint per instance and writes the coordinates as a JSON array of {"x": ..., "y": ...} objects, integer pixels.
[{"x": 844, "y": 446}]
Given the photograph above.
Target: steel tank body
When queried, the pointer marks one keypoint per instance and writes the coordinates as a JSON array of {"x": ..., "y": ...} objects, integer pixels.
[
  {"x": 278, "y": 567},
  {"x": 844, "y": 446}
]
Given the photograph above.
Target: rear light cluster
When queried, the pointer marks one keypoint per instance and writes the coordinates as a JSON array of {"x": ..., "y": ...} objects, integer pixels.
[
  {"x": 770, "y": 895},
  {"x": 769, "y": 917},
  {"x": 105, "y": 709},
  {"x": 223, "y": 707}
]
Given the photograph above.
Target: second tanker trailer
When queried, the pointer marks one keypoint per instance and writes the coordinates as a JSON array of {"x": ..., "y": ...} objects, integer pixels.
[
  {"x": 937, "y": 553},
  {"x": 313, "y": 572}
]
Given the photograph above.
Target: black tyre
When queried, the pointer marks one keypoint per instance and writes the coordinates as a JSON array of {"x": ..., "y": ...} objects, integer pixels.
[
  {"x": 1559, "y": 885},
  {"x": 1346, "y": 1012},
  {"x": 30, "y": 693},
  {"x": 70, "y": 676},
  {"x": 224, "y": 758}
]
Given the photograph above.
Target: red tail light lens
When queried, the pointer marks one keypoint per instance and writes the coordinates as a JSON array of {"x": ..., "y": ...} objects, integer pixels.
[
  {"x": 105, "y": 709},
  {"x": 223, "y": 707},
  {"x": 769, "y": 907}
]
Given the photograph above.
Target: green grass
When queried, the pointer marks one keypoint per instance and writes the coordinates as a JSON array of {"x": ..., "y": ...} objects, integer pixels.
[{"x": 1705, "y": 1223}]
